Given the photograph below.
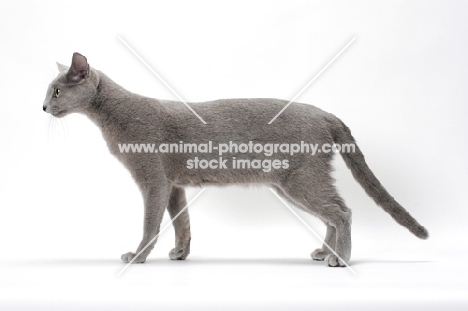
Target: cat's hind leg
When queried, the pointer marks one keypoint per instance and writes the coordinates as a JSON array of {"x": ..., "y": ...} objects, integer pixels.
[
  {"x": 317, "y": 195},
  {"x": 342, "y": 223},
  {"x": 329, "y": 244},
  {"x": 338, "y": 216},
  {"x": 177, "y": 203}
]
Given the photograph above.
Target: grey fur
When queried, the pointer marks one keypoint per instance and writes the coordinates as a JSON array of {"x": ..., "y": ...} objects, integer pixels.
[{"x": 124, "y": 117}]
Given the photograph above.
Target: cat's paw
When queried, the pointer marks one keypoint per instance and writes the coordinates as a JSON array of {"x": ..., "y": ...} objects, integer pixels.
[
  {"x": 319, "y": 254},
  {"x": 129, "y": 257},
  {"x": 333, "y": 261},
  {"x": 179, "y": 253}
]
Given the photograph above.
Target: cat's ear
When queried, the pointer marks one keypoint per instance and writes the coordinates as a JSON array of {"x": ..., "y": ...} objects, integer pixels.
[
  {"x": 62, "y": 68},
  {"x": 79, "y": 69}
]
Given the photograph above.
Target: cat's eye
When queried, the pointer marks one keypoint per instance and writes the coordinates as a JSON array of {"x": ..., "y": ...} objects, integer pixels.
[{"x": 56, "y": 92}]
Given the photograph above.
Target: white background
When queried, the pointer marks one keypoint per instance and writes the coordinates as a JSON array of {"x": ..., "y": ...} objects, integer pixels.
[{"x": 68, "y": 209}]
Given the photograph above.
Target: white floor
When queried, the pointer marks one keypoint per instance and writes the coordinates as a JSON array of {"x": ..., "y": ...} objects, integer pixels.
[{"x": 213, "y": 283}]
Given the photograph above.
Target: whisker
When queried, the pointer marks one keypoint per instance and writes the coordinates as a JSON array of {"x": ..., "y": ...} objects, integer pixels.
[
  {"x": 49, "y": 127},
  {"x": 54, "y": 130},
  {"x": 63, "y": 128}
]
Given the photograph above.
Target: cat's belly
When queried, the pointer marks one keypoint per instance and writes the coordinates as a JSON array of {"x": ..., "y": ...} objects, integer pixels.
[
  {"x": 238, "y": 169},
  {"x": 223, "y": 178}
]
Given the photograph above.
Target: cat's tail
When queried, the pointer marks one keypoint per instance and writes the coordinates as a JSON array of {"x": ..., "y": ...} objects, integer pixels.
[{"x": 356, "y": 163}]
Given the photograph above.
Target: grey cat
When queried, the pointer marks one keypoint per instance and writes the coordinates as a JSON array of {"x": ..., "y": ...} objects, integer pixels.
[{"x": 125, "y": 117}]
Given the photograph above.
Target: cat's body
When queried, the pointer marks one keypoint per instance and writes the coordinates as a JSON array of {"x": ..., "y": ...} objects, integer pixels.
[{"x": 124, "y": 118}]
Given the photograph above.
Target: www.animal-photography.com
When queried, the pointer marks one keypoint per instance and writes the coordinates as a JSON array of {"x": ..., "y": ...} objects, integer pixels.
[{"x": 233, "y": 155}]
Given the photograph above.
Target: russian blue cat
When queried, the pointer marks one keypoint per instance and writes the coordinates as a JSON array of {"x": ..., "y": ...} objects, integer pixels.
[{"x": 127, "y": 118}]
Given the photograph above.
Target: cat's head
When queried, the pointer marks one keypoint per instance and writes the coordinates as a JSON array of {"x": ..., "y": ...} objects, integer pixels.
[{"x": 73, "y": 90}]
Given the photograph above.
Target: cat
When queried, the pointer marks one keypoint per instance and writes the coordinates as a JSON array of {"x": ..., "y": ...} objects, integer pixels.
[{"x": 305, "y": 180}]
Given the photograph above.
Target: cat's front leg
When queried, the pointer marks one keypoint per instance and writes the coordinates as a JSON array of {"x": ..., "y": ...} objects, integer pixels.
[
  {"x": 177, "y": 203},
  {"x": 156, "y": 199}
]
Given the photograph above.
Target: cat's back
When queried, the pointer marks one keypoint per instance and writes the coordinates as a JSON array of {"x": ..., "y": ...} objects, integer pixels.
[
  {"x": 258, "y": 110},
  {"x": 248, "y": 118}
]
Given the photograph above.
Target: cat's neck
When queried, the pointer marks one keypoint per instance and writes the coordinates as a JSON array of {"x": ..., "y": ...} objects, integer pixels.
[
  {"x": 111, "y": 104},
  {"x": 122, "y": 115}
]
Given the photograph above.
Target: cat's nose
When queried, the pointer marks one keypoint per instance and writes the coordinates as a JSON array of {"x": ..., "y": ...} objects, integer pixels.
[{"x": 44, "y": 108}]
